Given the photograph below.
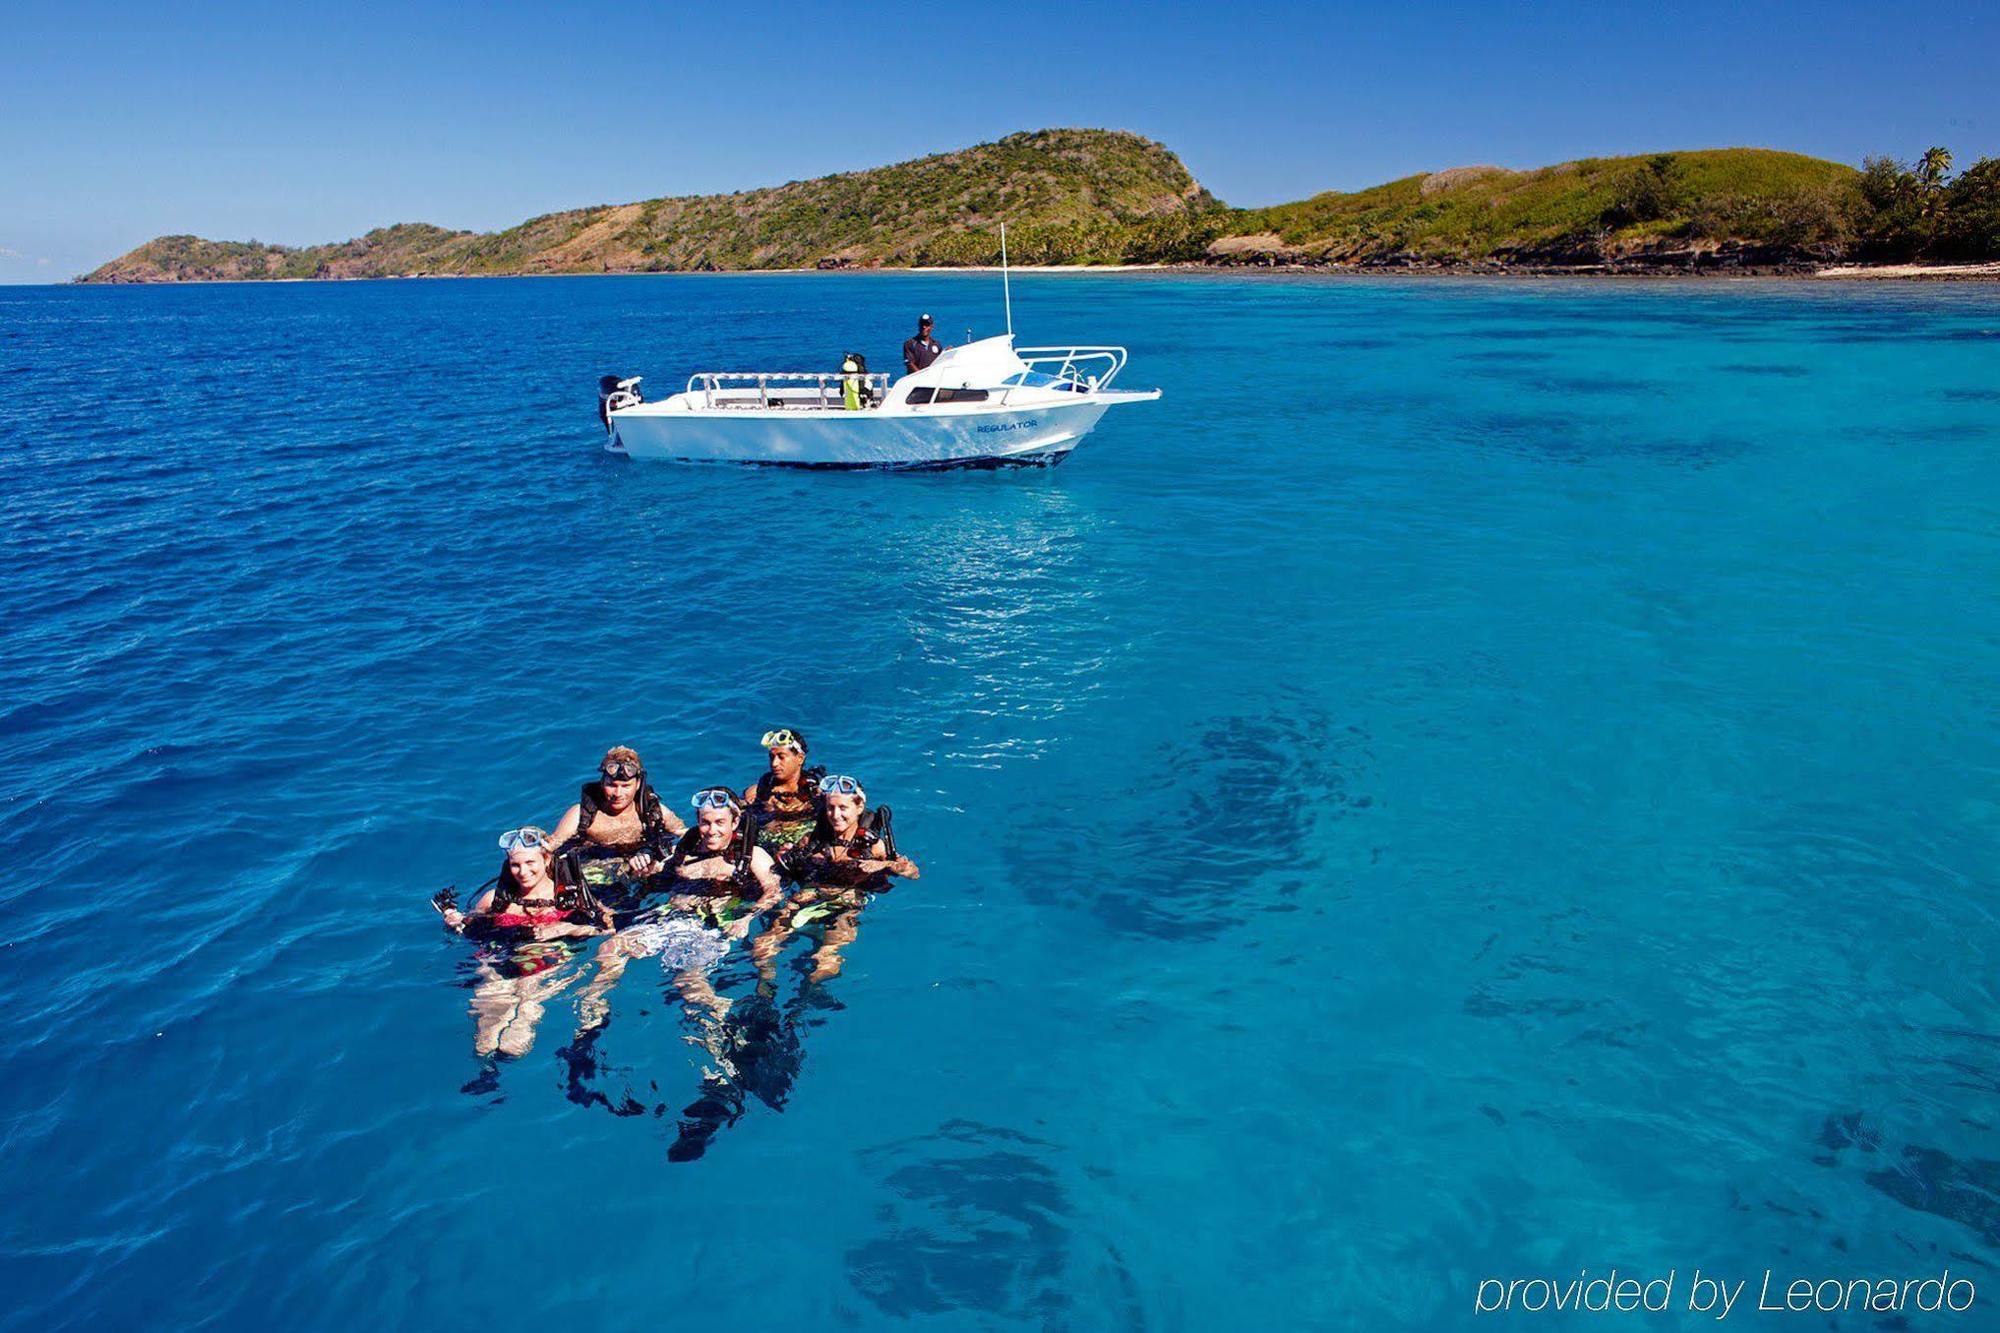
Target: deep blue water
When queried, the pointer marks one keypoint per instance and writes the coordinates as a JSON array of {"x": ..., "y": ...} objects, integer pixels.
[{"x": 1484, "y": 779}]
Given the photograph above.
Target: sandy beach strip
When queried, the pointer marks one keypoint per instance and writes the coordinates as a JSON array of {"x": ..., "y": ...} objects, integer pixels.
[{"x": 1991, "y": 270}]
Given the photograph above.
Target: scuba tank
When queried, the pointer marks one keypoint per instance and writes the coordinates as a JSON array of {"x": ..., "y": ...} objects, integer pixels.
[
  {"x": 748, "y": 825},
  {"x": 853, "y": 381},
  {"x": 572, "y": 889},
  {"x": 881, "y": 824}
]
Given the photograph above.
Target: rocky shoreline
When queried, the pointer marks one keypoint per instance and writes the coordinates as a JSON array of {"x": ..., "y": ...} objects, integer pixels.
[
  {"x": 1734, "y": 259},
  {"x": 1651, "y": 266}
]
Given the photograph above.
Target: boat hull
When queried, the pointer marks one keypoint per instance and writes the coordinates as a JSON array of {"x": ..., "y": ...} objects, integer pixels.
[{"x": 1030, "y": 435}]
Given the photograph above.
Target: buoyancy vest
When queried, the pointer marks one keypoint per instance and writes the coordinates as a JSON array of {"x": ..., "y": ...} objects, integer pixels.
[{"x": 652, "y": 815}]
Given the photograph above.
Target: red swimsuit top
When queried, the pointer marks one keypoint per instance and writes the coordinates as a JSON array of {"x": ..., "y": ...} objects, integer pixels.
[{"x": 546, "y": 917}]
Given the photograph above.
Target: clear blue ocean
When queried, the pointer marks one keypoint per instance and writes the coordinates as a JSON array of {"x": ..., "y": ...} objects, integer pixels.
[{"x": 1485, "y": 779}]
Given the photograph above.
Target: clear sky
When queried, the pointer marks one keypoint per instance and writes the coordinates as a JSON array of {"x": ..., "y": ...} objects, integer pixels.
[{"x": 300, "y": 124}]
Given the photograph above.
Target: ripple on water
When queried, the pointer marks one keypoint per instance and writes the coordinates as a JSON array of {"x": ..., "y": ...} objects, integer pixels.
[{"x": 1505, "y": 784}]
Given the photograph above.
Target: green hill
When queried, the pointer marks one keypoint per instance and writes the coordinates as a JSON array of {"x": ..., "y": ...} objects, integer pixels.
[
  {"x": 1066, "y": 195},
  {"x": 1098, "y": 196},
  {"x": 1589, "y": 211}
]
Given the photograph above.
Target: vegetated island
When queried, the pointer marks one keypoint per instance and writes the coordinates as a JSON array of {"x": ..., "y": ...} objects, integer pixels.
[{"x": 1102, "y": 197}]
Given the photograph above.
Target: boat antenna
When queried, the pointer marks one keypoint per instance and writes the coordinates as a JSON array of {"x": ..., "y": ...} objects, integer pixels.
[{"x": 1006, "y": 292}]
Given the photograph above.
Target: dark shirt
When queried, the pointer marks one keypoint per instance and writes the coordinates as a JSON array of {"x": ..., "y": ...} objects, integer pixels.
[{"x": 919, "y": 352}]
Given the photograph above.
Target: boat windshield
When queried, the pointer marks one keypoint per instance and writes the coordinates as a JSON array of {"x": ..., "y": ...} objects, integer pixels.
[{"x": 1035, "y": 379}]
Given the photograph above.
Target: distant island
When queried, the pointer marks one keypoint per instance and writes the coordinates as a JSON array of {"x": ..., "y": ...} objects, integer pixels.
[{"x": 1102, "y": 197}]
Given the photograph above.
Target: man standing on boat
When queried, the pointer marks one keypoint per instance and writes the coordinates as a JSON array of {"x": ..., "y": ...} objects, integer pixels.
[{"x": 921, "y": 350}]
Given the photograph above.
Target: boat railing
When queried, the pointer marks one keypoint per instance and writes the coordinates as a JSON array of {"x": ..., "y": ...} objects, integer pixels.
[
  {"x": 753, "y": 388},
  {"x": 1073, "y": 363}
]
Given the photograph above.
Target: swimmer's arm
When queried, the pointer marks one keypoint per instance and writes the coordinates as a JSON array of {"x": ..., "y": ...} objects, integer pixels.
[
  {"x": 566, "y": 826},
  {"x": 765, "y": 871},
  {"x": 879, "y": 859},
  {"x": 566, "y": 930},
  {"x": 675, "y": 824},
  {"x": 481, "y": 906},
  {"x": 767, "y": 880}
]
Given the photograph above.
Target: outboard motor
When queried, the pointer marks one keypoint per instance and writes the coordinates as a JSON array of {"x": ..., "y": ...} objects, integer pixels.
[{"x": 614, "y": 393}]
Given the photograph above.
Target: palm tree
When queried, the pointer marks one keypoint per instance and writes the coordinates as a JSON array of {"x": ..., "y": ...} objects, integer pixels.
[
  {"x": 1931, "y": 172},
  {"x": 1934, "y": 167}
]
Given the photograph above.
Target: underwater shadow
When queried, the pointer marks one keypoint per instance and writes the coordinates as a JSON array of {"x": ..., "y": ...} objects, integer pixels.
[
  {"x": 1248, "y": 811},
  {"x": 982, "y": 1222}
]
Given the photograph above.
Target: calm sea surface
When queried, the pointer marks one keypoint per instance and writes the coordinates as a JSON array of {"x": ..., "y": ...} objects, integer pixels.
[{"x": 1484, "y": 779}]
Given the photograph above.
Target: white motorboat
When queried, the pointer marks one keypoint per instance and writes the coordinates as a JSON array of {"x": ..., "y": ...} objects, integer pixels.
[{"x": 983, "y": 404}]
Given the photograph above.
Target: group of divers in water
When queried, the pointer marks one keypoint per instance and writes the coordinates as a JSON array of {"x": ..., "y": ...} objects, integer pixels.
[{"x": 799, "y": 852}]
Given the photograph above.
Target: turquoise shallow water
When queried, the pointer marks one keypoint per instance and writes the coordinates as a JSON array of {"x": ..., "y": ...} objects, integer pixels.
[{"x": 1484, "y": 779}]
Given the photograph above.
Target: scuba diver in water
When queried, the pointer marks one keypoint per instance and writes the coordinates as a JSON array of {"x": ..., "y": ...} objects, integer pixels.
[
  {"x": 525, "y": 925},
  {"x": 849, "y": 857},
  {"x": 712, "y": 874},
  {"x": 784, "y": 801},
  {"x": 618, "y": 827},
  {"x": 718, "y": 881}
]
